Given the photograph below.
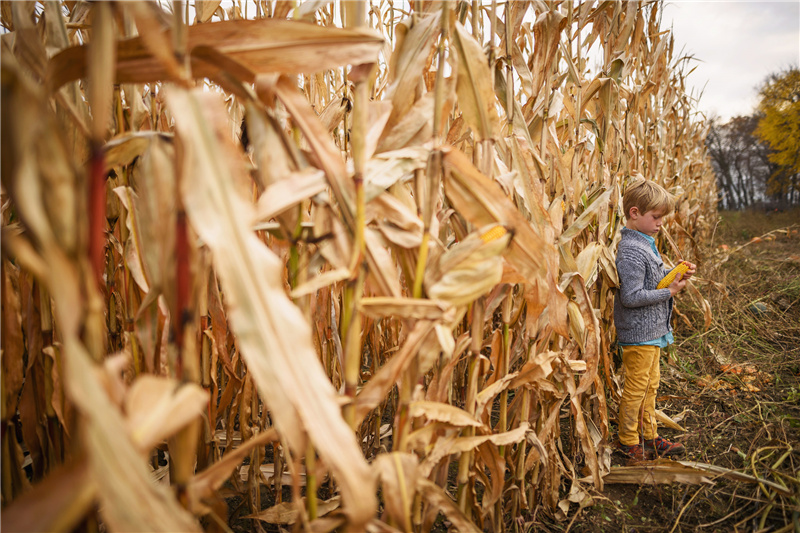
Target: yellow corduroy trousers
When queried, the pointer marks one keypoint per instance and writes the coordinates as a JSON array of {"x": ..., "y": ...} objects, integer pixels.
[{"x": 637, "y": 408}]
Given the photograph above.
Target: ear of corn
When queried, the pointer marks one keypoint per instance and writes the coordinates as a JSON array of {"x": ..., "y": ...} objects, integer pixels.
[
  {"x": 667, "y": 280},
  {"x": 493, "y": 234}
]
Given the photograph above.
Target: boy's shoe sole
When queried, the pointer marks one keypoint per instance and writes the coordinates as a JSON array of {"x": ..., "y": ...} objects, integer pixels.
[{"x": 663, "y": 448}]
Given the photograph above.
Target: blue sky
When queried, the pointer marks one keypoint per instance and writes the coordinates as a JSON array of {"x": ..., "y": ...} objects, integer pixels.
[{"x": 736, "y": 44}]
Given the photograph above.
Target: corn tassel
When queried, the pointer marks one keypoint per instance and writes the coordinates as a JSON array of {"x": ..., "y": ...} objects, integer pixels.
[{"x": 681, "y": 269}]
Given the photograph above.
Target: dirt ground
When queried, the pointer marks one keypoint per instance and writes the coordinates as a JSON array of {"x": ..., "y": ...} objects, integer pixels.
[{"x": 734, "y": 387}]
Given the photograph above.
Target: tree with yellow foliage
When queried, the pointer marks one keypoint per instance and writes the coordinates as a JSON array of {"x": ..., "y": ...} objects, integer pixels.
[{"x": 779, "y": 127}]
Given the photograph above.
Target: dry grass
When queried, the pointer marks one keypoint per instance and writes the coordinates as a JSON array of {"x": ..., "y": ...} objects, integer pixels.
[{"x": 376, "y": 259}]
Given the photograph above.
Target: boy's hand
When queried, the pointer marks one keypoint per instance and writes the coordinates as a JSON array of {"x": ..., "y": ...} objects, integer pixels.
[
  {"x": 681, "y": 279},
  {"x": 691, "y": 271}
]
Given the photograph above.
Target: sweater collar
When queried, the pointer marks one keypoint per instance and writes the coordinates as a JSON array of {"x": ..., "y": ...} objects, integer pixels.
[{"x": 643, "y": 237}]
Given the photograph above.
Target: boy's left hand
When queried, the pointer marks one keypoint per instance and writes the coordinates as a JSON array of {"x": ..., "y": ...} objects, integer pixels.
[{"x": 690, "y": 272}]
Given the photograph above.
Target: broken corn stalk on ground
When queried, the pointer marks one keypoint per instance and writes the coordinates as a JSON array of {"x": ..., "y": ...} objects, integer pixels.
[{"x": 244, "y": 236}]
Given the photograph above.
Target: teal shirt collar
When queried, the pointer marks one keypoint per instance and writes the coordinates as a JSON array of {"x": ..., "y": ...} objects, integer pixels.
[{"x": 652, "y": 242}]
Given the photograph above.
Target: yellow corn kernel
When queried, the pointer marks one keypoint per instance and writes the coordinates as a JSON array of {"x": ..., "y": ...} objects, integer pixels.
[
  {"x": 493, "y": 234},
  {"x": 682, "y": 268}
]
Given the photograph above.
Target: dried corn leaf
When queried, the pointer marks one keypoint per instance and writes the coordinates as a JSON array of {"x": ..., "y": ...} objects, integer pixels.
[
  {"x": 437, "y": 497},
  {"x": 381, "y": 383},
  {"x": 666, "y": 421},
  {"x": 203, "y": 485},
  {"x": 57, "y": 504},
  {"x": 381, "y": 307},
  {"x": 468, "y": 270},
  {"x": 289, "y": 192},
  {"x": 662, "y": 471},
  {"x": 442, "y": 412},
  {"x": 482, "y": 203},
  {"x": 273, "y": 335},
  {"x": 286, "y": 513},
  {"x": 586, "y": 218},
  {"x": 129, "y": 500},
  {"x": 257, "y": 46},
  {"x": 12, "y": 343},
  {"x": 158, "y": 407},
  {"x": 398, "y": 474},
  {"x": 122, "y": 150},
  {"x": 408, "y": 61},
  {"x": 474, "y": 87}
]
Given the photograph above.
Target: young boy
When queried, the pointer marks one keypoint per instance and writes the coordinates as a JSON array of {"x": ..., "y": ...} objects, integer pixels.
[{"x": 642, "y": 316}]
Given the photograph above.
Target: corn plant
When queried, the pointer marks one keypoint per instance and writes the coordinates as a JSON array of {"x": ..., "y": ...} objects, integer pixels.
[{"x": 354, "y": 259}]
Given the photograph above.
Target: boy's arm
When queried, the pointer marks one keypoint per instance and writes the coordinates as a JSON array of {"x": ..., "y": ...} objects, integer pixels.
[{"x": 631, "y": 270}]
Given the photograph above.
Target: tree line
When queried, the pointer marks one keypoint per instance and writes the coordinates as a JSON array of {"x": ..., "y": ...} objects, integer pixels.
[{"x": 756, "y": 158}]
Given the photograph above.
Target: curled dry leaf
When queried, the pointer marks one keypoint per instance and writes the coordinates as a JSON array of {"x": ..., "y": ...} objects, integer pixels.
[
  {"x": 129, "y": 501},
  {"x": 158, "y": 407}
]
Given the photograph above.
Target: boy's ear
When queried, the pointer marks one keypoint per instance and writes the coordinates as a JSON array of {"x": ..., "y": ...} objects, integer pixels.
[{"x": 633, "y": 212}]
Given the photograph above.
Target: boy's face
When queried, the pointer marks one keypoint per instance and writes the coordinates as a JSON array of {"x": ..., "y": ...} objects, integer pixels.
[{"x": 648, "y": 223}]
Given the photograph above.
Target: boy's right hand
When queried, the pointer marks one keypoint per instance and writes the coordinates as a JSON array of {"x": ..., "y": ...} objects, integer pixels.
[{"x": 677, "y": 285}]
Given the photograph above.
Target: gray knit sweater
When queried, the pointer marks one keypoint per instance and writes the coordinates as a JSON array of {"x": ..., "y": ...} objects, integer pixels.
[{"x": 642, "y": 313}]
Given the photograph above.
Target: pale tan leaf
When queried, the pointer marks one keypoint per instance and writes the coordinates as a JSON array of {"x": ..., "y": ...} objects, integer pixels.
[
  {"x": 414, "y": 127},
  {"x": 666, "y": 421},
  {"x": 380, "y": 307},
  {"x": 386, "y": 169},
  {"x": 587, "y": 262},
  {"x": 289, "y": 192},
  {"x": 469, "y": 269},
  {"x": 442, "y": 412},
  {"x": 258, "y": 46},
  {"x": 474, "y": 88},
  {"x": 414, "y": 48},
  {"x": 205, "y": 9},
  {"x": 158, "y": 407},
  {"x": 398, "y": 224},
  {"x": 13, "y": 345},
  {"x": 586, "y": 217},
  {"x": 325, "y": 279},
  {"x": 129, "y": 500},
  {"x": 436, "y": 496},
  {"x": 398, "y": 474},
  {"x": 482, "y": 202},
  {"x": 379, "y": 385},
  {"x": 122, "y": 150},
  {"x": 273, "y": 334},
  {"x": 576, "y": 324}
]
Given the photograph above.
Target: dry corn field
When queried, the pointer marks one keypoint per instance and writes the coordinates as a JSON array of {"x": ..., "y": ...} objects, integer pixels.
[{"x": 351, "y": 259}]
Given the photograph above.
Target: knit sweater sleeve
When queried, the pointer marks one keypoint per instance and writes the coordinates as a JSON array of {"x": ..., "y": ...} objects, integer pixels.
[{"x": 632, "y": 269}]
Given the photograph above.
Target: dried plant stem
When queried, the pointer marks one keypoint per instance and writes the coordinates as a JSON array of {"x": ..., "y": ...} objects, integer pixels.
[
  {"x": 311, "y": 482},
  {"x": 422, "y": 260},
  {"x": 438, "y": 95},
  {"x": 355, "y": 16},
  {"x": 465, "y": 461}
]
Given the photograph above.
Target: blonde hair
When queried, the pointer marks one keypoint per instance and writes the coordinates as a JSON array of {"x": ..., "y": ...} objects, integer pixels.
[{"x": 647, "y": 196}]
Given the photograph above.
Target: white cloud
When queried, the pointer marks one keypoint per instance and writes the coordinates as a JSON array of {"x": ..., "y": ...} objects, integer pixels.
[{"x": 736, "y": 45}]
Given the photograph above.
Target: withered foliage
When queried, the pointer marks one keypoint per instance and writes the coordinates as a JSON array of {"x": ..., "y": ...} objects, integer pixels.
[{"x": 363, "y": 250}]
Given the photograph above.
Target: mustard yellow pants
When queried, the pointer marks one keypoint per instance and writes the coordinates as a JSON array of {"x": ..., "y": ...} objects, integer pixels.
[{"x": 637, "y": 408}]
